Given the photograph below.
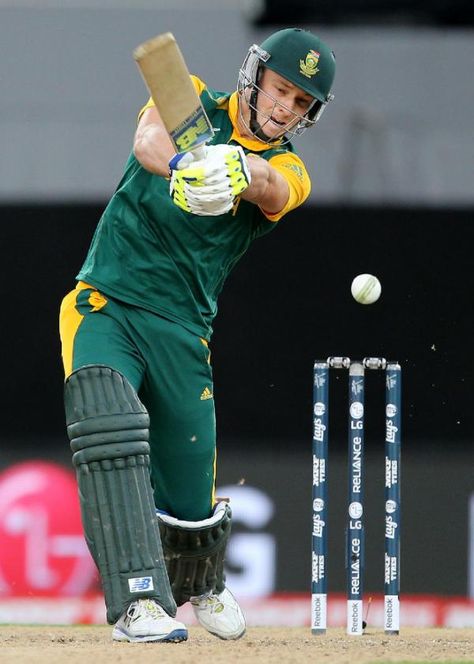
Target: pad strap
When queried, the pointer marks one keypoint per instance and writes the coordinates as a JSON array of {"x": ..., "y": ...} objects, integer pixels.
[{"x": 194, "y": 552}]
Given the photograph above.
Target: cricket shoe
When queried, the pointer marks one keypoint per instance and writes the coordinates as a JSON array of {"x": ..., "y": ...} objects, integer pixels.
[
  {"x": 219, "y": 614},
  {"x": 146, "y": 620}
]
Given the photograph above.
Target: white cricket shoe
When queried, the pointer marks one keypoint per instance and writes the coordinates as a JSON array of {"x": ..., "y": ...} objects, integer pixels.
[
  {"x": 146, "y": 620},
  {"x": 219, "y": 614}
]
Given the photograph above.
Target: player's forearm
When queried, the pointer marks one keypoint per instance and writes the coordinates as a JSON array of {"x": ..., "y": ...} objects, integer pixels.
[
  {"x": 268, "y": 188},
  {"x": 153, "y": 149}
]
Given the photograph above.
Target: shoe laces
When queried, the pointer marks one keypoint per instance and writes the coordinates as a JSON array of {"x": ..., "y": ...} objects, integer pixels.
[
  {"x": 151, "y": 607},
  {"x": 209, "y": 601}
]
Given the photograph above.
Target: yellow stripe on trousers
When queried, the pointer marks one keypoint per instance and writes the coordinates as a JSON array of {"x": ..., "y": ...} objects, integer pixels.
[{"x": 69, "y": 322}]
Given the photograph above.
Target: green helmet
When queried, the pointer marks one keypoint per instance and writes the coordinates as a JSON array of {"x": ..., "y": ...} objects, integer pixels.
[{"x": 301, "y": 58}]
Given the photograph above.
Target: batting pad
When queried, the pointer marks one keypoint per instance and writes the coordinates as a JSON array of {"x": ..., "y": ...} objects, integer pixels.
[
  {"x": 108, "y": 430},
  {"x": 194, "y": 552}
]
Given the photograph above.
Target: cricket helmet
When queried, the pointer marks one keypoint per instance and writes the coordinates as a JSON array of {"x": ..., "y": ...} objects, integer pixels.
[{"x": 300, "y": 57}]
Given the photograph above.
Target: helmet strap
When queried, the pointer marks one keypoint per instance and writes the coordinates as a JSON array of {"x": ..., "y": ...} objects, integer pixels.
[{"x": 254, "y": 125}]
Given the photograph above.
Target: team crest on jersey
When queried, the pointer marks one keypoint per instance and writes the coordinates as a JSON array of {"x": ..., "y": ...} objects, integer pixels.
[{"x": 309, "y": 66}]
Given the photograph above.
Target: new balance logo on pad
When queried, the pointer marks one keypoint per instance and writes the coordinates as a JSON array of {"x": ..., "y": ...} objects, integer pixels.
[{"x": 141, "y": 583}]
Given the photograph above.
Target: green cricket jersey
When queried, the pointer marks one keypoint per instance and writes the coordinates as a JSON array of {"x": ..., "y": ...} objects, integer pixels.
[{"x": 149, "y": 253}]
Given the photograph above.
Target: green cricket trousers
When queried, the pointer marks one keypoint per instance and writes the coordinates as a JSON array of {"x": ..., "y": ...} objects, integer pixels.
[{"x": 170, "y": 369}]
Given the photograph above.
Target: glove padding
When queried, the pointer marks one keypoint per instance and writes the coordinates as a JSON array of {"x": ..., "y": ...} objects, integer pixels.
[
  {"x": 208, "y": 187},
  {"x": 202, "y": 200}
]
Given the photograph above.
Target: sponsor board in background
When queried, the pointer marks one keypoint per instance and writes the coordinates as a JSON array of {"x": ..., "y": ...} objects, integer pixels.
[
  {"x": 276, "y": 610},
  {"x": 43, "y": 552},
  {"x": 42, "y": 548},
  {"x": 47, "y": 574},
  {"x": 470, "y": 558}
]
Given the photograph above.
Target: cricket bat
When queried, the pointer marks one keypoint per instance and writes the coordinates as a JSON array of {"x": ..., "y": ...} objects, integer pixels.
[{"x": 166, "y": 76}]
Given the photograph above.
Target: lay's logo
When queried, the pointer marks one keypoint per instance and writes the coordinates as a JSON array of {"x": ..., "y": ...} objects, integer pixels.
[{"x": 309, "y": 66}]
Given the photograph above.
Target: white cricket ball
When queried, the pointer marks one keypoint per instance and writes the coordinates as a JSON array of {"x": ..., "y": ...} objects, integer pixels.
[{"x": 366, "y": 288}]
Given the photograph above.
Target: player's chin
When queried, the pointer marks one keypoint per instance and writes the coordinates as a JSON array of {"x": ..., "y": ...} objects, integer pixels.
[{"x": 273, "y": 132}]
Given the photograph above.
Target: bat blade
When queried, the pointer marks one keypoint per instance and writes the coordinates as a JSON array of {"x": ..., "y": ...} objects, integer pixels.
[{"x": 166, "y": 76}]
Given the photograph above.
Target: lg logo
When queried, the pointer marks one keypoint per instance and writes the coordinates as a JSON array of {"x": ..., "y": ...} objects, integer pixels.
[
  {"x": 43, "y": 551},
  {"x": 42, "y": 548}
]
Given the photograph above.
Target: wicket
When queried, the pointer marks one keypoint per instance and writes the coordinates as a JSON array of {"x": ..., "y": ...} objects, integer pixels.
[{"x": 355, "y": 538}]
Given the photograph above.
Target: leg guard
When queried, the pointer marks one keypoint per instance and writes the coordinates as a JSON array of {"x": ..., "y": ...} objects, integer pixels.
[
  {"x": 108, "y": 429},
  {"x": 194, "y": 552}
]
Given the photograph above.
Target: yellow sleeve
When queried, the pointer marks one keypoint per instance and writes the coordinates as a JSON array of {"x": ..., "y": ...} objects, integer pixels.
[
  {"x": 295, "y": 173},
  {"x": 198, "y": 84}
]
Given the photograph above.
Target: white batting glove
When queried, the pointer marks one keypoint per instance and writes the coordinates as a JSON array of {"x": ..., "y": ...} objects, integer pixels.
[
  {"x": 226, "y": 164},
  {"x": 211, "y": 200},
  {"x": 182, "y": 160},
  {"x": 210, "y": 185}
]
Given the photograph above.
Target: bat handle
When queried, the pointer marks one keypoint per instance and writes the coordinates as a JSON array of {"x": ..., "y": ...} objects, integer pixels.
[{"x": 199, "y": 152}]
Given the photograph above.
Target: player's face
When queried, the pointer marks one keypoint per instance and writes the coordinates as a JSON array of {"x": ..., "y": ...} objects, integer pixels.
[{"x": 280, "y": 104}]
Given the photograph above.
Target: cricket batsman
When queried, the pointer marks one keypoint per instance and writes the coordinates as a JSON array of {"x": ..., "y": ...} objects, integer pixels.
[{"x": 135, "y": 332}]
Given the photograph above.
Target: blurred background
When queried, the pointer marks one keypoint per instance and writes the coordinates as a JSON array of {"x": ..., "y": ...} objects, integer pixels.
[{"x": 392, "y": 167}]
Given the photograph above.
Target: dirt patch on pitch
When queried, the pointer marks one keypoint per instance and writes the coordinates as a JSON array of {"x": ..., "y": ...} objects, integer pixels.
[{"x": 261, "y": 645}]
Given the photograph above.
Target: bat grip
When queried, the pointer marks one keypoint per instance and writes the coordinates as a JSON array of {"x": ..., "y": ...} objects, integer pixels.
[{"x": 199, "y": 152}]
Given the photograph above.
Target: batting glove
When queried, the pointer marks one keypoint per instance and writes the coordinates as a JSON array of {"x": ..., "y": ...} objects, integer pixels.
[
  {"x": 210, "y": 200},
  {"x": 182, "y": 160},
  {"x": 209, "y": 185}
]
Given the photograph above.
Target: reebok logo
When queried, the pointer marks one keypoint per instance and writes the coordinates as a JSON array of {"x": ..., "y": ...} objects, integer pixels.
[{"x": 206, "y": 394}]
